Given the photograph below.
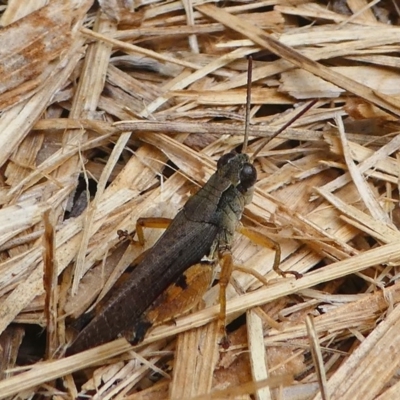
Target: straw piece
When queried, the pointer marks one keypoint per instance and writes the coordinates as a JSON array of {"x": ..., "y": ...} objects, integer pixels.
[
  {"x": 88, "y": 93},
  {"x": 317, "y": 11},
  {"x": 374, "y": 358},
  {"x": 363, "y": 188},
  {"x": 391, "y": 393},
  {"x": 27, "y": 64},
  {"x": 362, "y": 11},
  {"x": 303, "y": 85},
  {"x": 16, "y": 122},
  {"x": 74, "y": 142},
  {"x": 43, "y": 372},
  {"x": 186, "y": 79},
  {"x": 259, "y": 37},
  {"x": 367, "y": 159},
  {"x": 230, "y": 97},
  {"x": 317, "y": 357},
  {"x": 196, "y": 355},
  {"x": 257, "y": 353}
]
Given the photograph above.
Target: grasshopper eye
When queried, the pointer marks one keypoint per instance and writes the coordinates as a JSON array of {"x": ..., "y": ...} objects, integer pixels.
[
  {"x": 248, "y": 177},
  {"x": 225, "y": 159}
]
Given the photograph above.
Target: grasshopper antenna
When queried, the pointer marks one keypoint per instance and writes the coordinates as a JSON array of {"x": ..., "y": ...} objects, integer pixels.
[
  {"x": 248, "y": 103},
  {"x": 275, "y": 134}
]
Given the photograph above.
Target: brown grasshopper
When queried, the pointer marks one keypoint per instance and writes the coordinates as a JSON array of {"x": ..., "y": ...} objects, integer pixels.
[{"x": 204, "y": 227}]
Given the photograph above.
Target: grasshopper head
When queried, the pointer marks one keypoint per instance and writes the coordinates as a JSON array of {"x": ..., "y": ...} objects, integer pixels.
[{"x": 238, "y": 169}]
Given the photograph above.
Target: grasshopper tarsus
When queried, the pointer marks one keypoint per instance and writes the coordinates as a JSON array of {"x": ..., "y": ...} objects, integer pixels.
[
  {"x": 140, "y": 330},
  {"x": 225, "y": 343},
  {"x": 124, "y": 234},
  {"x": 296, "y": 274}
]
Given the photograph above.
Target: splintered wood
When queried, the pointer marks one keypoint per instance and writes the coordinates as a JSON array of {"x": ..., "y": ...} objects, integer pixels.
[{"x": 115, "y": 110}]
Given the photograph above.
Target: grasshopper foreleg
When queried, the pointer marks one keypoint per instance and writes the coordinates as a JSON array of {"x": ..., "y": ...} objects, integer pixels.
[
  {"x": 149, "y": 222},
  {"x": 141, "y": 223},
  {"x": 265, "y": 241}
]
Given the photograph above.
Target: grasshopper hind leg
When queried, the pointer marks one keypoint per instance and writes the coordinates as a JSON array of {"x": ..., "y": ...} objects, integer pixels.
[
  {"x": 178, "y": 299},
  {"x": 227, "y": 267}
]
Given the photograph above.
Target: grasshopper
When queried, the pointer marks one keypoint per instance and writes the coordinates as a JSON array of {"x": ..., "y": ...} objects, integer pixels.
[{"x": 204, "y": 227}]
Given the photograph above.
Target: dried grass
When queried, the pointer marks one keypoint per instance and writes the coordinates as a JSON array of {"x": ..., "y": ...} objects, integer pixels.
[{"x": 110, "y": 95}]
